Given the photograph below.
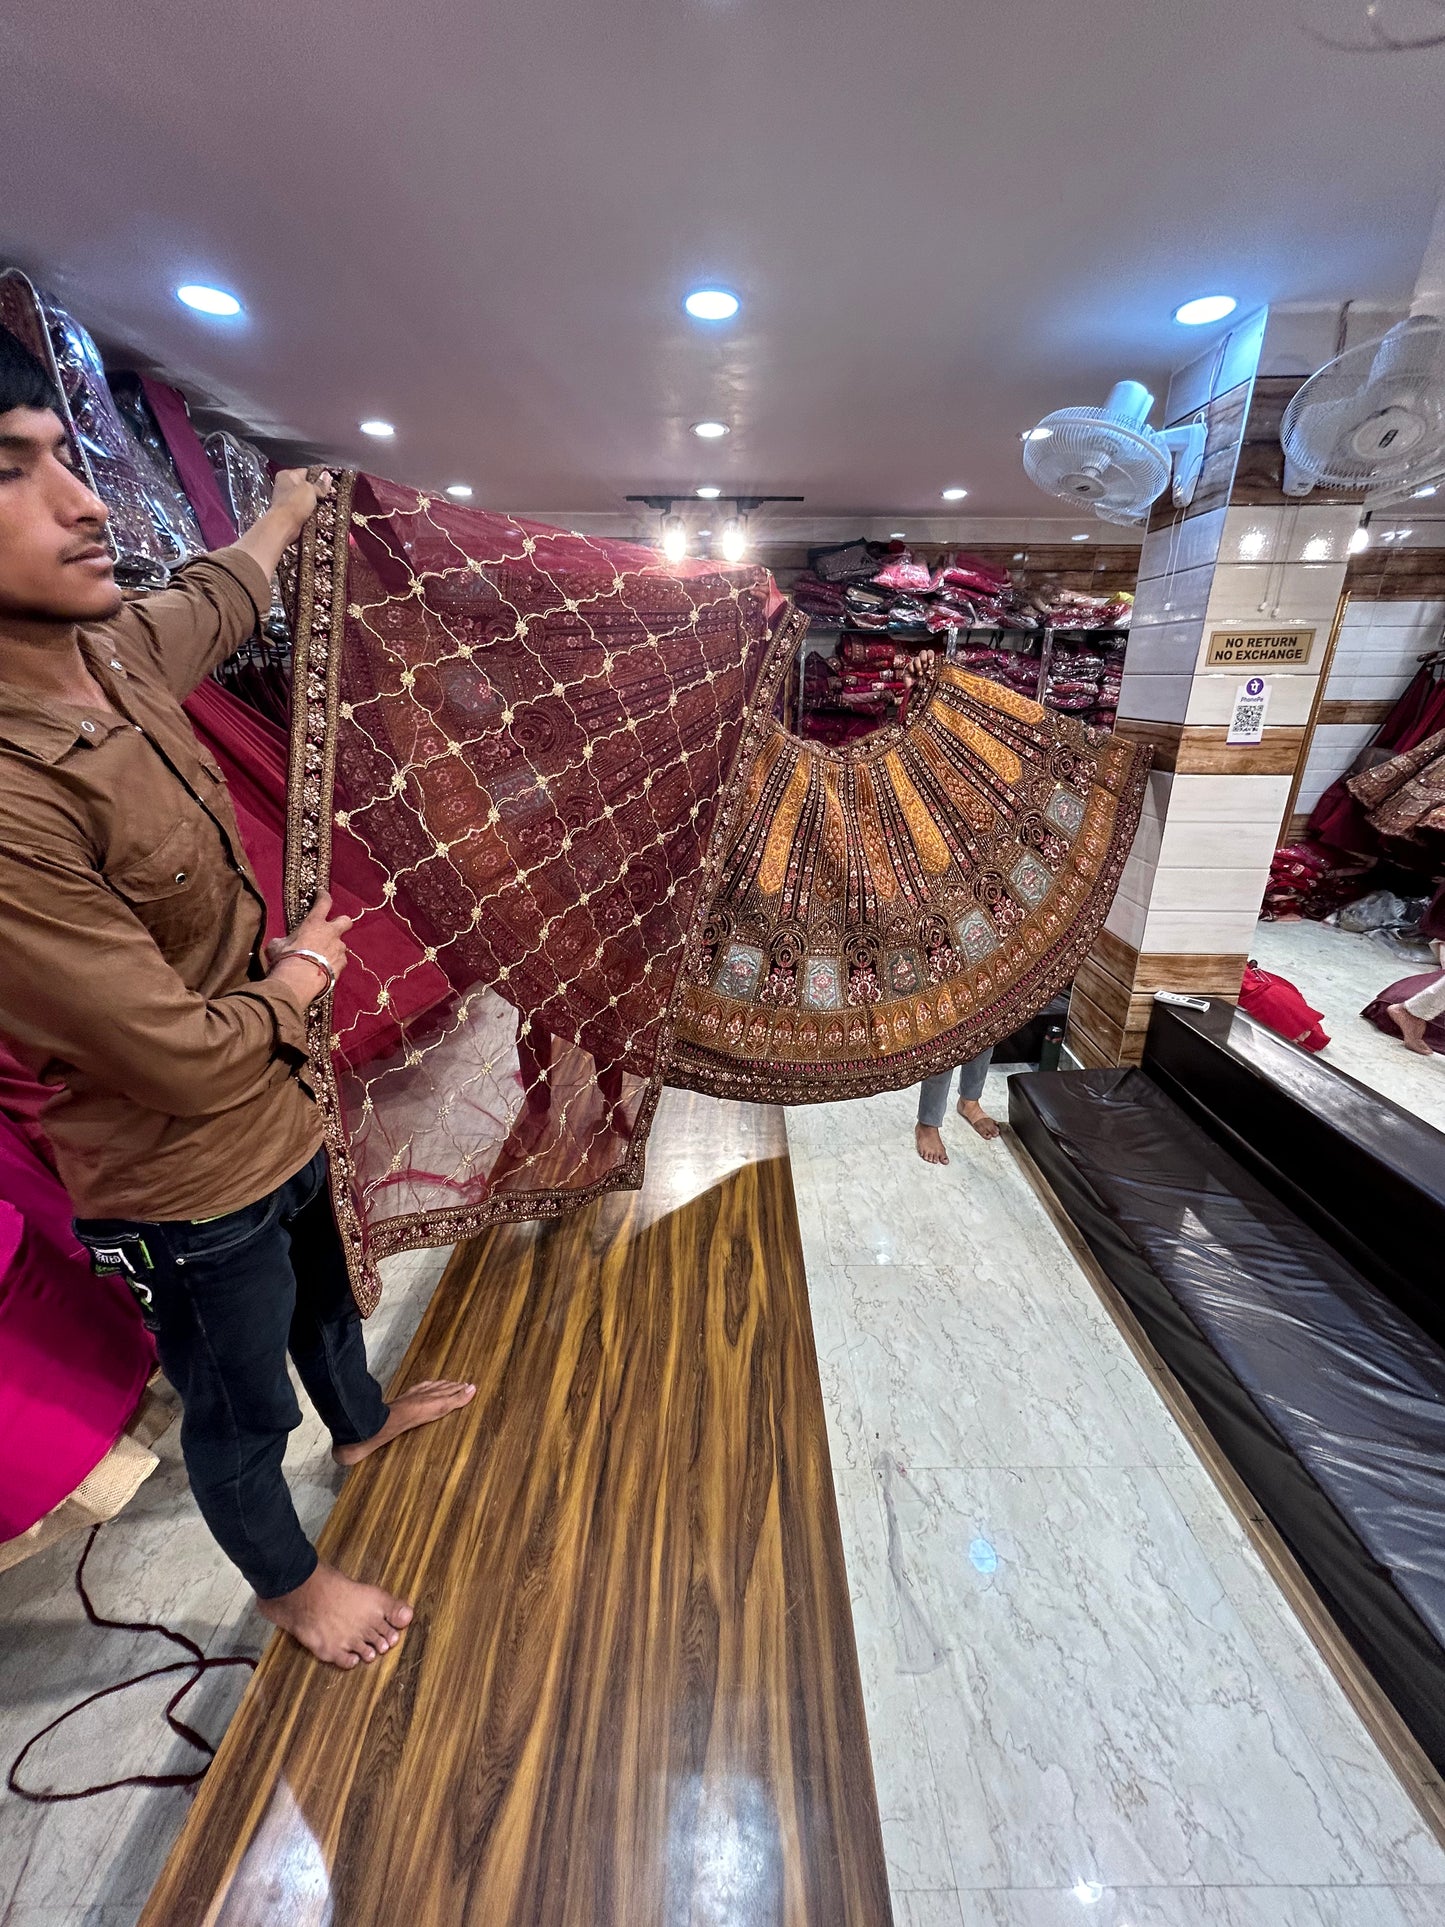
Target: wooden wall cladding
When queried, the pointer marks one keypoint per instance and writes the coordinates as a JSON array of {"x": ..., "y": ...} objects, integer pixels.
[{"x": 631, "y": 1695}]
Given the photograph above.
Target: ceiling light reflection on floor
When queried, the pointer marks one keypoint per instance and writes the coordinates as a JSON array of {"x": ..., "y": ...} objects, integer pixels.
[
  {"x": 710, "y": 431},
  {"x": 379, "y": 430}
]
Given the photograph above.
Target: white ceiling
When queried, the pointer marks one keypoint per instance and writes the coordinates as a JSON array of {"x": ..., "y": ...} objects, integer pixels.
[{"x": 945, "y": 217}]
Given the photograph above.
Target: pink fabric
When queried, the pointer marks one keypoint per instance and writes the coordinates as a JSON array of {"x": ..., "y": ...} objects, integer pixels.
[
  {"x": 252, "y": 753},
  {"x": 198, "y": 478},
  {"x": 74, "y": 1355}
]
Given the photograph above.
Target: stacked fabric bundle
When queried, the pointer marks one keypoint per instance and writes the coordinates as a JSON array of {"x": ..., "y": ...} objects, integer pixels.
[
  {"x": 1016, "y": 669},
  {"x": 1074, "y": 679},
  {"x": 1074, "y": 609}
]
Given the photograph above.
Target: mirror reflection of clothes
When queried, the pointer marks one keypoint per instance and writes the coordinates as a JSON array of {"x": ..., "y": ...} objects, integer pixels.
[{"x": 933, "y": 1092}]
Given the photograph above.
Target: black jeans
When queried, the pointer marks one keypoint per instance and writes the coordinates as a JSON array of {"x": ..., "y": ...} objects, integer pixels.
[{"x": 227, "y": 1298}]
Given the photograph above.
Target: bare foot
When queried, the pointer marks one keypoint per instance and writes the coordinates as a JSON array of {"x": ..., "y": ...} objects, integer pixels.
[
  {"x": 977, "y": 1116},
  {"x": 1410, "y": 1027},
  {"x": 340, "y": 1621},
  {"x": 432, "y": 1399},
  {"x": 929, "y": 1140}
]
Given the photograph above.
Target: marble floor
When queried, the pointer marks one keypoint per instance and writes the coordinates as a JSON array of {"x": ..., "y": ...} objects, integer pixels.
[
  {"x": 1339, "y": 974},
  {"x": 1088, "y": 1704},
  {"x": 91, "y": 1863}
]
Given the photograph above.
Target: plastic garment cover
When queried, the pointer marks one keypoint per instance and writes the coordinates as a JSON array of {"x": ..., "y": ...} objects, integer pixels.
[
  {"x": 534, "y": 738},
  {"x": 1352, "y": 1388},
  {"x": 112, "y": 459}
]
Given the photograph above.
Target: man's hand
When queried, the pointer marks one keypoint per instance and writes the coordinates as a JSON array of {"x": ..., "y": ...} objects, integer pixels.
[
  {"x": 293, "y": 502},
  {"x": 318, "y": 930}
]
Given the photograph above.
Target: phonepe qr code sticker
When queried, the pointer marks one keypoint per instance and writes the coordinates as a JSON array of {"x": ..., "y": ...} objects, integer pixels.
[{"x": 1246, "y": 722}]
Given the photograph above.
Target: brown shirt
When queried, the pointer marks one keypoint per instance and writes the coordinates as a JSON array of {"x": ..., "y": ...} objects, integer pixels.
[{"x": 131, "y": 925}]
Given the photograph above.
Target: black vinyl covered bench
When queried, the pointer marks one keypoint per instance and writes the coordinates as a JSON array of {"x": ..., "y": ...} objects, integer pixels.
[{"x": 1279, "y": 1233}]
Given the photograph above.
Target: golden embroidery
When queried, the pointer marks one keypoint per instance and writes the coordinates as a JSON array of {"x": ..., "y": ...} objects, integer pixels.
[{"x": 932, "y": 850}]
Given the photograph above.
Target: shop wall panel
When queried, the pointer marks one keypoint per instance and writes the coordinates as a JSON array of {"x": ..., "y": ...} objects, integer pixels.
[
  {"x": 1190, "y": 543},
  {"x": 1291, "y": 696},
  {"x": 1207, "y": 932},
  {"x": 1227, "y": 800}
]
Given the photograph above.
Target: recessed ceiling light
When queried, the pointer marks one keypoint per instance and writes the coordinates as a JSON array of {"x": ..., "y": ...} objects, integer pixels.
[
  {"x": 702, "y": 532},
  {"x": 460, "y": 491},
  {"x": 1206, "y": 308},
  {"x": 712, "y": 304},
  {"x": 954, "y": 494},
  {"x": 1037, "y": 434},
  {"x": 899, "y": 535},
  {"x": 1359, "y": 540},
  {"x": 709, "y": 494},
  {"x": 1078, "y": 538},
  {"x": 1429, "y": 489},
  {"x": 710, "y": 431},
  {"x": 208, "y": 300},
  {"x": 383, "y": 431}
]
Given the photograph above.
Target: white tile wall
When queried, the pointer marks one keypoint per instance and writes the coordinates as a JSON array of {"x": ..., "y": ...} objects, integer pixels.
[
  {"x": 1187, "y": 887},
  {"x": 1191, "y": 542},
  {"x": 1196, "y": 848},
  {"x": 1202, "y": 932},
  {"x": 1379, "y": 647},
  {"x": 1173, "y": 598},
  {"x": 1311, "y": 532},
  {"x": 1160, "y": 699},
  {"x": 1291, "y": 697},
  {"x": 1334, "y": 747},
  {"x": 1220, "y": 366},
  {"x": 1126, "y": 919},
  {"x": 1165, "y": 649},
  {"x": 1277, "y": 592},
  {"x": 1227, "y": 800}
]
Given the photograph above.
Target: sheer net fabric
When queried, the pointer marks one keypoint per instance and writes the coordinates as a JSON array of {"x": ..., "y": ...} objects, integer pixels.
[{"x": 536, "y": 739}]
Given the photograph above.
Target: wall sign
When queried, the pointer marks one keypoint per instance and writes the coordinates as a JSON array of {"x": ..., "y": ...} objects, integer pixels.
[
  {"x": 1259, "y": 648},
  {"x": 1251, "y": 700}
]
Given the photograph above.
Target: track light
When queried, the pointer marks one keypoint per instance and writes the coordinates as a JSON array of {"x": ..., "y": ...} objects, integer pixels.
[
  {"x": 674, "y": 538},
  {"x": 733, "y": 542}
]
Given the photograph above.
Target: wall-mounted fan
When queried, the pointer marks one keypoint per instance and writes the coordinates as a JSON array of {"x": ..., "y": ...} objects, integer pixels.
[
  {"x": 1373, "y": 418},
  {"x": 1110, "y": 460}
]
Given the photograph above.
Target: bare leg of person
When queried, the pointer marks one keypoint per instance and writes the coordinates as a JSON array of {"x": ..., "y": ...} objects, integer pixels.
[
  {"x": 339, "y": 1620},
  {"x": 970, "y": 1109},
  {"x": 1410, "y": 1027},
  {"x": 430, "y": 1400}
]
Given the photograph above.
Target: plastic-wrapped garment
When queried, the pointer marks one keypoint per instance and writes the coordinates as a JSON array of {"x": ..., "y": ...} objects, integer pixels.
[
  {"x": 849, "y": 562},
  {"x": 902, "y": 572},
  {"x": 110, "y": 457},
  {"x": 245, "y": 482},
  {"x": 970, "y": 572},
  {"x": 175, "y": 519}
]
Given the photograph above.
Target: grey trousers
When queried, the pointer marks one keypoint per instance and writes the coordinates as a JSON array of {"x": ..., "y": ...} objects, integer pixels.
[{"x": 933, "y": 1092}]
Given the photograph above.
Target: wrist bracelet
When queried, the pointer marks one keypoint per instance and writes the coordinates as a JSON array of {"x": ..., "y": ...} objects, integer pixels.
[{"x": 312, "y": 956}]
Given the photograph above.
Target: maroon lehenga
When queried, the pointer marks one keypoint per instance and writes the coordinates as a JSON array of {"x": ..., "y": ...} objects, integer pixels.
[{"x": 559, "y": 758}]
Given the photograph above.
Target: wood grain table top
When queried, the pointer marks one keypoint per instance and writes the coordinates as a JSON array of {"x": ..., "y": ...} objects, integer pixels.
[{"x": 630, "y": 1696}]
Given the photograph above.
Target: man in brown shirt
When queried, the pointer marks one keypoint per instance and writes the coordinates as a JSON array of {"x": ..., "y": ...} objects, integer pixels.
[{"x": 132, "y": 979}]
